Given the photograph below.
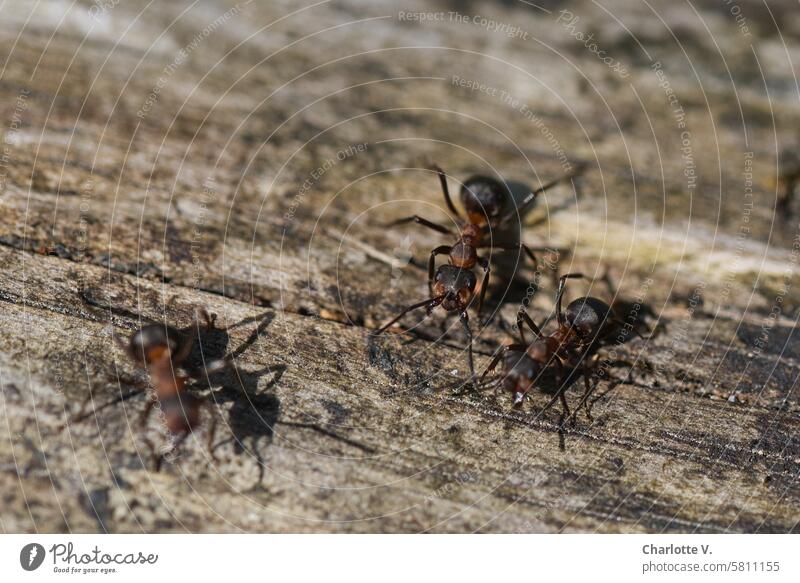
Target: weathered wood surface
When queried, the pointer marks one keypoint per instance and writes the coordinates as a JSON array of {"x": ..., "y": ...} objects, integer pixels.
[{"x": 220, "y": 191}]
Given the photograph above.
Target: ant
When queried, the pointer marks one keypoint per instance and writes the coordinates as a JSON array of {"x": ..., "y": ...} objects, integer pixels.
[
  {"x": 486, "y": 201},
  {"x": 452, "y": 285},
  {"x": 453, "y": 289},
  {"x": 160, "y": 349},
  {"x": 553, "y": 362}
]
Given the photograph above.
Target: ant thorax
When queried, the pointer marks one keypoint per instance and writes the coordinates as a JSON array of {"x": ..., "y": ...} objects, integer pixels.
[
  {"x": 463, "y": 255},
  {"x": 543, "y": 350},
  {"x": 163, "y": 378}
]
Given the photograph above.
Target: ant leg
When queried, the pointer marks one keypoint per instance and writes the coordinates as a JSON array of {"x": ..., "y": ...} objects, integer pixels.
[
  {"x": 562, "y": 396},
  {"x": 464, "y": 317},
  {"x": 613, "y": 291},
  {"x": 142, "y": 424},
  {"x": 146, "y": 412},
  {"x": 120, "y": 342},
  {"x": 445, "y": 190},
  {"x": 560, "y": 390},
  {"x": 484, "y": 263},
  {"x": 629, "y": 378},
  {"x": 159, "y": 460},
  {"x": 522, "y": 315},
  {"x": 530, "y": 255},
  {"x": 551, "y": 265},
  {"x": 424, "y": 222},
  {"x": 516, "y": 247},
  {"x": 589, "y": 389},
  {"x": 208, "y": 318},
  {"x": 610, "y": 286},
  {"x": 212, "y": 432},
  {"x": 443, "y": 250},
  {"x": 185, "y": 347},
  {"x": 522, "y": 208},
  {"x": 499, "y": 355},
  {"x": 617, "y": 322},
  {"x": 562, "y": 283},
  {"x": 552, "y": 401},
  {"x": 429, "y": 304},
  {"x": 82, "y": 412}
]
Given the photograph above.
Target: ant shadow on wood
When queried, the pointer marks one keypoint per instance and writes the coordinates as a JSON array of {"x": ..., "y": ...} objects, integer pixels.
[{"x": 201, "y": 353}]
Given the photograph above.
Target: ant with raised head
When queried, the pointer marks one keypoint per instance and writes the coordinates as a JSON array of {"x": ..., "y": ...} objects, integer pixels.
[
  {"x": 453, "y": 289},
  {"x": 486, "y": 202},
  {"x": 452, "y": 285},
  {"x": 553, "y": 362}
]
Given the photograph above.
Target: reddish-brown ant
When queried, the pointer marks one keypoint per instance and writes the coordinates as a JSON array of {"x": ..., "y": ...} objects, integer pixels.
[
  {"x": 553, "y": 362},
  {"x": 453, "y": 289},
  {"x": 163, "y": 351},
  {"x": 453, "y": 285},
  {"x": 486, "y": 202}
]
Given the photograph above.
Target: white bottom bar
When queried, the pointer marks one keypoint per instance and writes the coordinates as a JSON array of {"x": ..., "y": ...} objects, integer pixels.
[{"x": 353, "y": 558}]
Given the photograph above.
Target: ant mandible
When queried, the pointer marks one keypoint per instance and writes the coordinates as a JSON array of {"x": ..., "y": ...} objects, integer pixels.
[{"x": 553, "y": 362}]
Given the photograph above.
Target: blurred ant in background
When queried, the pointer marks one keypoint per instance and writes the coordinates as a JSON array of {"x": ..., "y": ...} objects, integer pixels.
[
  {"x": 552, "y": 363},
  {"x": 162, "y": 351}
]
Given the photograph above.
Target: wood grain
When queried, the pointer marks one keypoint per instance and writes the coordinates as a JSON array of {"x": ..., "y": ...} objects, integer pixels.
[{"x": 256, "y": 183}]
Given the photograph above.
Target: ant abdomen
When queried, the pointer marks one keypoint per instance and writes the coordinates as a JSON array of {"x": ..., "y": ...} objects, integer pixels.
[
  {"x": 181, "y": 412},
  {"x": 484, "y": 197},
  {"x": 522, "y": 373}
]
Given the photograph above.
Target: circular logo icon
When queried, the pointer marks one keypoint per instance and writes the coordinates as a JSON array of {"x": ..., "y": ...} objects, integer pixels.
[{"x": 31, "y": 556}]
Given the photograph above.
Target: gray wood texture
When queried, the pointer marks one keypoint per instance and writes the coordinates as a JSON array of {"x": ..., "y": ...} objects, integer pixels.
[{"x": 244, "y": 157}]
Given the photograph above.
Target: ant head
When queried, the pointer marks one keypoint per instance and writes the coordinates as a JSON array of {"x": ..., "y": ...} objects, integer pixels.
[
  {"x": 588, "y": 316},
  {"x": 456, "y": 285},
  {"x": 484, "y": 199},
  {"x": 154, "y": 343}
]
